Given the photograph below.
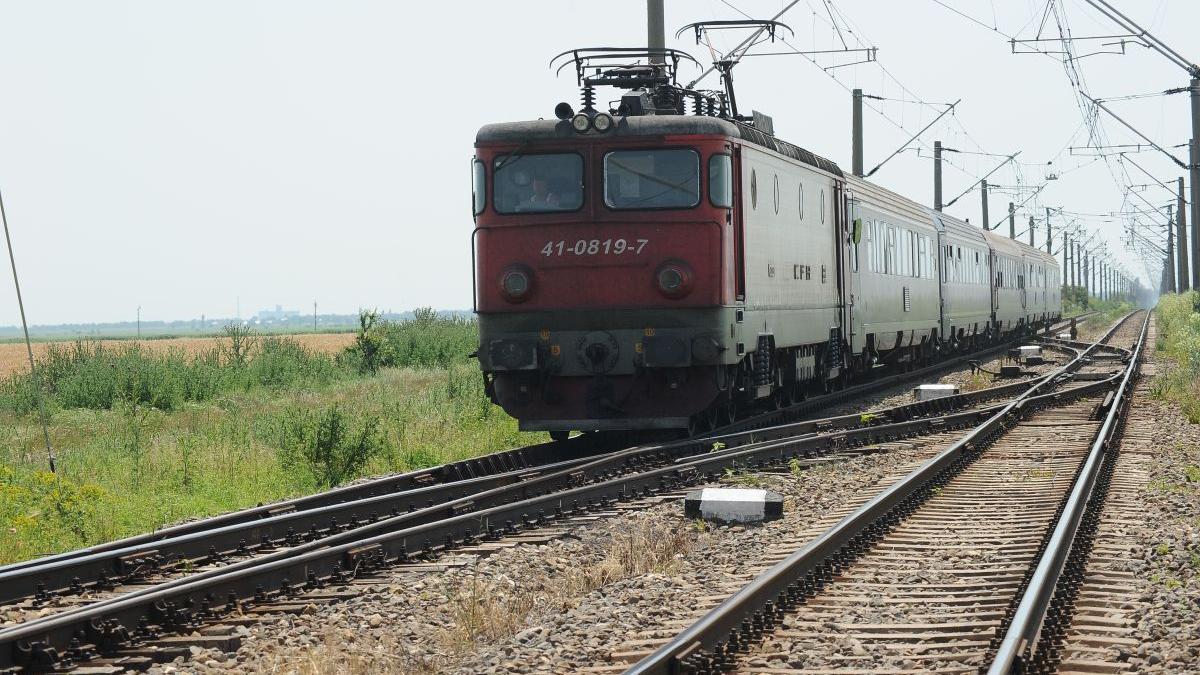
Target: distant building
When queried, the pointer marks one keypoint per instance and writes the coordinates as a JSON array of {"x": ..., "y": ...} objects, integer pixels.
[{"x": 277, "y": 314}]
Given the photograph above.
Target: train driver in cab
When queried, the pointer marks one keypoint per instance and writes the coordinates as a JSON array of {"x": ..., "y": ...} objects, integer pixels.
[{"x": 542, "y": 198}]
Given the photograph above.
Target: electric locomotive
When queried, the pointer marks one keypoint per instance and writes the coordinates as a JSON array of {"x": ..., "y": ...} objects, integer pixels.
[{"x": 667, "y": 262}]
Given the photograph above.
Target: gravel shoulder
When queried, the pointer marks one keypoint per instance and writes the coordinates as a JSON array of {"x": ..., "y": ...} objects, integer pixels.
[
  {"x": 556, "y": 606},
  {"x": 1169, "y": 547},
  {"x": 566, "y": 603}
]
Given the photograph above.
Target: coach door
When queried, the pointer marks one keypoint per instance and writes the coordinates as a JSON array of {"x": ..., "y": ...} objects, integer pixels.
[
  {"x": 850, "y": 232},
  {"x": 739, "y": 235}
]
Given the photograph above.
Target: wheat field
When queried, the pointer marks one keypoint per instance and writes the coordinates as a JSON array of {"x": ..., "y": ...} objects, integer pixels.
[{"x": 13, "y": 356}]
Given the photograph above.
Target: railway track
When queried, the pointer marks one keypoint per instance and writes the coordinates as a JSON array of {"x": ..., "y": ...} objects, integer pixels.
[
  {"x": 424, "y": 486},
  {"x": 971, "y": 560},
  {"x": 264, "y": 556}
]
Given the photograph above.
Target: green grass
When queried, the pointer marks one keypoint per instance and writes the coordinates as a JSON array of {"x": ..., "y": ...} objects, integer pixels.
[
  {"x": 1178, "y": 325},
  {"x": 140, "y": 448}
]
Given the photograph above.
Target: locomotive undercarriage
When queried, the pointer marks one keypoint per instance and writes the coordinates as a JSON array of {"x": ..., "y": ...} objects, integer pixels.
[{"x": 699, "y": 397}]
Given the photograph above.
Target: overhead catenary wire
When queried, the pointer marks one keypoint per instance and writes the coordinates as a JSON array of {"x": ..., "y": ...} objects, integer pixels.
[
  {"x": 1090, "y": 111},
  {"x": 33, "y": 371},
  {"x": 854, "y": 33}
]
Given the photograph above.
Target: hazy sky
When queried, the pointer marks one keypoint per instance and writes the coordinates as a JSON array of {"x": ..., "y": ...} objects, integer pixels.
[{"x": 179, "y": 156}]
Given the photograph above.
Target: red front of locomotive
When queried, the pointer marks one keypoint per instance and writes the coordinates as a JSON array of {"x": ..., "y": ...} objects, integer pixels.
[{"x": 604, "y": 272}]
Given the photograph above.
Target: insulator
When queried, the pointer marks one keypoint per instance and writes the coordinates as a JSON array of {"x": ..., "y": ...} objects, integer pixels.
[{"x": 589, "y": 97}]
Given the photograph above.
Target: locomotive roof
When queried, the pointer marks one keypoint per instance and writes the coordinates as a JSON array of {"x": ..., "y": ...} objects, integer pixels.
[{"x": 653, "y": 125}]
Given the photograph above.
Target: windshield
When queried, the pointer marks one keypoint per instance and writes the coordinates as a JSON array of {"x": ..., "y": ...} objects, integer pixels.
[
  {"x": 538, "y": 183},
  {"x": 652, "y": 179}
]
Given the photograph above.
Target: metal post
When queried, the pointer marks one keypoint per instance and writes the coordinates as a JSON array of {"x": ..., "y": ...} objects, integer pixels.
[
  {"x": 983, "y": 190},
  {"x": 856, "y": 148},
  {"x": 1012, "y": 221},
  {"x": 1170, "y": 262},
  {"x": 1181, "y": 251},
  {"x": 1194, "y": 156},
  {"x": 33, "y": 371},
  {"x": 1031, "y": 231},
  {"x": 1049, "y": 233},
  {"x": 1066, "y": 257},
  {"x": 937, "y": 176},
  {"x": 1087, "y": 289},
  {"x": 1182, "y": 207},
  {"x": 656, "y": 37},
  {"x": 1074, "y": 263}
]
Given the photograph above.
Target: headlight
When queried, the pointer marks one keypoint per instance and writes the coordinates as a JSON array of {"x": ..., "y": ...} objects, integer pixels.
[
  {"x": 581, "y": 122},
  {"x": 602, "y": 122},
  {"x": 516, "y": 282},
  {"x": 674, "y": 278}
]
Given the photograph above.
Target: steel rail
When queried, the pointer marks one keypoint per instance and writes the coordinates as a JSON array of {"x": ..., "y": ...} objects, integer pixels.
[
  {"x": 1020, "y": 642},
  {"x": 100, "y": 570},
  {"x": 173, "y": 605},
  {"x": 797, "y": 411},
  {"x": 799, "y": 574},
  {"x": 515, "y": 459},
  {"x": 308, "y": 518},
  {"x": 178, "y": 604}
]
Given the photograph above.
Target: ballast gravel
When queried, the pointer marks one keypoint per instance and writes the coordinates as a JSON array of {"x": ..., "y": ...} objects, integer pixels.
[
  {"x": 1169, "y": 569},
  {"x": 552, "y": 607}
]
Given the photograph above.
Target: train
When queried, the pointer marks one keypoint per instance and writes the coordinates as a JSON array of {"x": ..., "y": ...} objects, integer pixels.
[{"x": 647, "y": 267}]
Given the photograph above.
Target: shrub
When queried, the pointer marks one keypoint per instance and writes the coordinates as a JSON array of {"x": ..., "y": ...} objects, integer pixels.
[
  {"x": 428, "y": 340},
  {"x": 1179, "y": 340},
  {"x": 283, "y": 362},
  {"x": 328, "y": 445},
  {"x": 87, "y": 374},
  {"x": 42, "y": 510}
]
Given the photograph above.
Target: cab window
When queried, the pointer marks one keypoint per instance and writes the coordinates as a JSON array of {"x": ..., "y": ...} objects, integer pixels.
[
  {"x": 720, "y": 181},
  {"x": 478, "y": 187},
  {"x": 538, "y": 183},
  {"x": 652, "y": 179}
]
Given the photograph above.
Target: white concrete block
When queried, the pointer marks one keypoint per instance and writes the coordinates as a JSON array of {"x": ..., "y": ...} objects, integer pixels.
[
  {"x": 733, "y": 505},
  {"x": 1030, "y": 350},
  {"x": 928, "y": 392},
  {"x": 1065, "y": 335}
]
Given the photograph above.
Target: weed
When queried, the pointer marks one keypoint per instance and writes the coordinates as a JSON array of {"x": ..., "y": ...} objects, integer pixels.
[
  {"x": 492, "y": 610},
  {"x": 794, "y": 466},
  {"x": 242, "y": 341},
  {"x": 328, "y": 445},
  {"x": 1191, "y": 473},
  {"x": 744, "y": 478}
]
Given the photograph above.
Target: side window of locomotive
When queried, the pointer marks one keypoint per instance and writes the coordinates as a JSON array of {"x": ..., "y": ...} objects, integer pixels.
[
  {"x": 720, "y": 181},
  {"x": 538, "y": 183},
  {"x": 801, "y": 200},
  {"x": 478, "y": 187},
  {"x": 652, "y": 179}
]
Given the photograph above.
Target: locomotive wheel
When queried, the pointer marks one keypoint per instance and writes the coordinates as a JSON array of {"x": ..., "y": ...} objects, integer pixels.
[
  {"x": 559, "y": 436},
  {"x": 713, "y": 417},
  {"x": 727, "y": 413},
  {"x": 797, "y": 393}
]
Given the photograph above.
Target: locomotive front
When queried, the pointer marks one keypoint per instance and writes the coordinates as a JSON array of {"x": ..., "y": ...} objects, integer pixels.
[{"x": 603, "y": 269}]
